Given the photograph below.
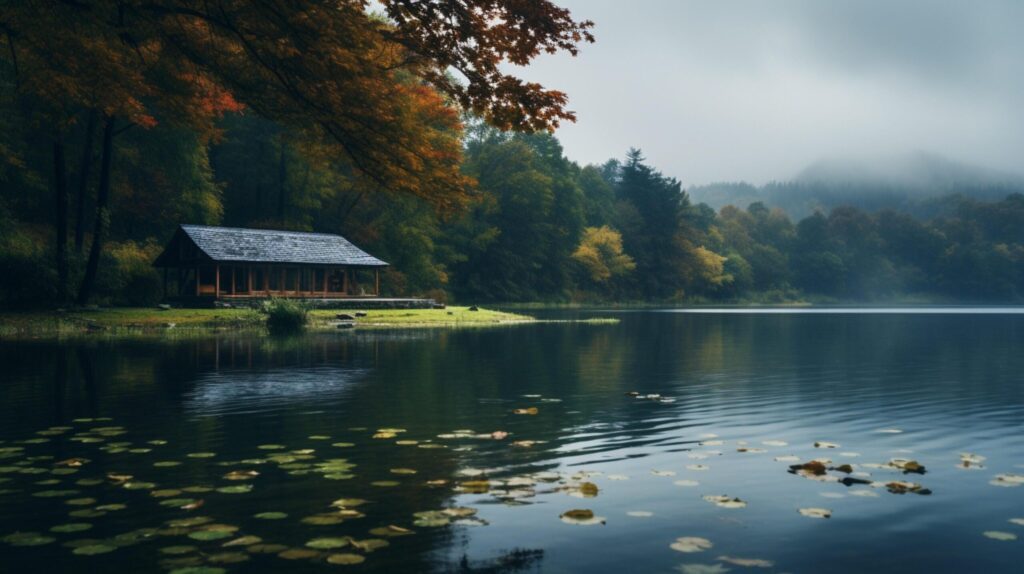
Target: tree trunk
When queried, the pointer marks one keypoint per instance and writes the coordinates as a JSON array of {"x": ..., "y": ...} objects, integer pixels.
[
  {"x": 102, "y": 214},
  {"x": 60, "y": 190},
  {"x": 84, "y": 170}
]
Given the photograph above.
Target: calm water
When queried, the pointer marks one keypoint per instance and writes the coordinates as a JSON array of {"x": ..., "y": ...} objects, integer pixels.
[{"x": 951, "y": 383}]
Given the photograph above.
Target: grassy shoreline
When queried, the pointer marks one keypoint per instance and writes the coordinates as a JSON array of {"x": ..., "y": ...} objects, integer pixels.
[{"x": 125, "y": 321}]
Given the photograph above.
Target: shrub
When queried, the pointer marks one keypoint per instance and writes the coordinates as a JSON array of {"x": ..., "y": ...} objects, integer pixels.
[{"x": 285, "y": 317}]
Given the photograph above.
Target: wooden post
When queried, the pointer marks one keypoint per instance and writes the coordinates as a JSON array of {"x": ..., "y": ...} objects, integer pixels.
[
  {"x": 233, "y": 267},
  {"x": 197, "y": 280},
  {"x": 325, "y": 281},
  {"x": 344, "y": 282},
  {"x": 216, "y": 281},
  {"x": 376, "y": 280},
  {"x": 266, "y": 279},
  {"x": 248, "y": 276}
]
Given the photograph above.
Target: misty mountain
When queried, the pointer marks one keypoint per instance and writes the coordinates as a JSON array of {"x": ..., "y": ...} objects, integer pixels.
[{"x": 918, "y": 183}]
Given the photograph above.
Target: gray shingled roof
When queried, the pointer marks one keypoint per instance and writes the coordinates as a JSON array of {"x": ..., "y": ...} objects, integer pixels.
[{"x": 270, "y": 246}]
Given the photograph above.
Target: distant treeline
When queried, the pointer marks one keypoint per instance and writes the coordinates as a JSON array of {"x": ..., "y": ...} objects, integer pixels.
[{"x": 538, "y": 227}]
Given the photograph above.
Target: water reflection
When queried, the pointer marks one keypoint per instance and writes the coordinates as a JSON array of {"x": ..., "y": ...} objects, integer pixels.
[{"x": 950, "y": 383}]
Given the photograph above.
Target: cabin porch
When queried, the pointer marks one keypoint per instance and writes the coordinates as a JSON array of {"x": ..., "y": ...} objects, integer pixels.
[{"x": 251, "y": 281}]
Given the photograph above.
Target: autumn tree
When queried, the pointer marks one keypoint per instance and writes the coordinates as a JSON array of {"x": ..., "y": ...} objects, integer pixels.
[{"x": 601, "y": 256}]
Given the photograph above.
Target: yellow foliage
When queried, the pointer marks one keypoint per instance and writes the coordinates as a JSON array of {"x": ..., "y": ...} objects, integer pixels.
[{"x": 600, "y": 253}]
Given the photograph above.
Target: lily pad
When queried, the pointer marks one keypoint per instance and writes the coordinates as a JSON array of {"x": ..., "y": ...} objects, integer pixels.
[
  {"x": 691, "y": 544},
  {"x": 201, "y": 454},
  {"x": 272, "y": 515},
  {"x": 583, "y": 517},
  {"x": 236, "y": 489},
  {"x": 747, "y": 562},
  {"x": 345, "y": 559},
  {"x": 298, "y": 554},
  {"x": 327, "y": 543},
  {"x": 391, "y": 531},
  {"x": 227, "y": 557},
  {"x": 178, "y": 550},
  {"x": 999, "y": 535},
  {"x": 323, "y": 519},
  {"x": 71, "y": 527},
  {"x": 27, "y": 539},
  {"x": 207, "y": 535},
  {"x": 94, "y": 549},
  {"x": 816, "y": 512}
]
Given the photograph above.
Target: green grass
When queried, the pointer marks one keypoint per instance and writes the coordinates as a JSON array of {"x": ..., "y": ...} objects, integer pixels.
[
  {"x": 450, "y": 317},
  {"x": 178, "y": 322}
]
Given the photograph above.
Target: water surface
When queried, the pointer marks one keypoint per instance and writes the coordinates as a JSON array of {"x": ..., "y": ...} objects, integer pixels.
[{"x": 949, "y": 383}]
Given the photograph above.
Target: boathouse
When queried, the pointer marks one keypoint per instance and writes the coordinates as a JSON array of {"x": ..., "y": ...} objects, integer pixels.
[{"x": 223, "y": 263}]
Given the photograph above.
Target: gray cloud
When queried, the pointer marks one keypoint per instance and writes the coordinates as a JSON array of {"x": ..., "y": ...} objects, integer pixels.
[{"x": 756, "y": 90}]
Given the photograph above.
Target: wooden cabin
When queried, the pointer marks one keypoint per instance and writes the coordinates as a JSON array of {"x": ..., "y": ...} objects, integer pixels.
[{"x": 216, "y": 263}]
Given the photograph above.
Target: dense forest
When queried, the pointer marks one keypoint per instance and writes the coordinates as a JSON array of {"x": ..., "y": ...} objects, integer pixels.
[{"x": 460, "y": 184}]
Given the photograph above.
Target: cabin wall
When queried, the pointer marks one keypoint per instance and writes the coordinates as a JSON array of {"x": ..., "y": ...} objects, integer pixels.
[{"x": 247, "y": 281}]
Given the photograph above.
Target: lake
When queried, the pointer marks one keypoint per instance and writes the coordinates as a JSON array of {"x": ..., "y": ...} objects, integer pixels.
[{"x": 150, "y": 455}]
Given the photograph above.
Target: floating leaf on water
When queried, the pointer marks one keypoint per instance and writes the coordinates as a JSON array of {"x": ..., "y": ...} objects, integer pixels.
[
  {"x": 323, "y": 519},
  {"x": 349, "y": 502},
  {"x": 235, "y": 489},
  {"x": 165, "y": 493},
  {"x": 823, "y": 444},
  {"x": 431, "y": 518},
  {"x": 80, "y": 501},
  {"x": 139, "y": 485},
  {"x": 55, "y": 493},
  {"x": 166, "y": 463},
  {"x": 266, "y": 548},
  {"x": 403, "y": 471},
  {"x": 405, "y": 442},
  {"x": 385, "y": 483},
  {"x": 787, "y": 458},
  {"x": 89, "y": 481},
  {"x": 864, "y": 493},
  {"x": 391, "y": 531},
  {"x": 71, "y": 527},
  {"x": 271, "y": 447},
  {"x": 198, "y": 489},
  {"x": 725, "y": 501},
  {"x": 344, "y": 444},
  {"x": 157, "y": 442},
  {"x": 903, "y": 487},
  {"x": 746, "y": 562},
  {"x": 345, "y": 559},
  {"x": 318, "y": 437},
  {"x": 86, "y": 513},
  {"x": 583, "y": 517},
  {"x": 206, "y": 535},
  {"x": 690, "y": 544},
  {"x": 178, "y": 550},
  {"x": 999, "y": 535},
  {"x": 588, "y": 489},
  {"x": 271, "y": 515},
  {"x": 663, "y": 472},
  {"x": 243, "y": 541},
  {"x": 241, "y": 475},
  {"x": 369, "y": 544},
  {"x": 201, "y": 454},
  {"x": 27, "y": 539},
  {"x": 140, "y": 450},
  {"x": 774, "y": 443},
  {"x": 93, "y": 549},
  {"x": 700, "y": 467},
  {"x": 298, "y": 554},
  {"x": 227, "y": 558},
  {"x": 327, "y": 543},
  {"x": 816, "y": 512},
  {"x": 907, "y": 465},
  {"x": 526, "y": 411},
  {"x": 1017, "y": 521},
  {"x": 189, "y": 522},
  {"x": 1008, "y": 480},
  {"x": 640, "y": 513}
]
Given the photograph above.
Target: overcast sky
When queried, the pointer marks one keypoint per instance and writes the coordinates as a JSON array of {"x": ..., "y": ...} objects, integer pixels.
[{"x": 723, "y": 90}]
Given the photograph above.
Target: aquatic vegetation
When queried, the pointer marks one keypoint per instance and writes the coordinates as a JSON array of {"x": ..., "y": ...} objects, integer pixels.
[
  {"x": 690, "y": 544},
  {"x": 815, "y": 512},
  {"x": 582, "y": 517},
  {"x": 999, "y": 535}
]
